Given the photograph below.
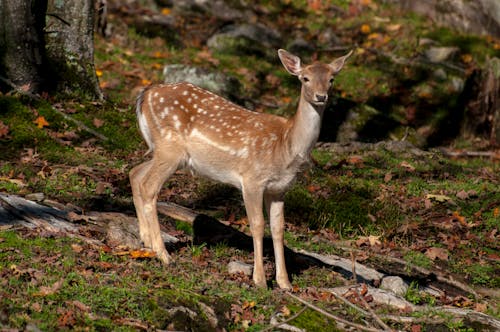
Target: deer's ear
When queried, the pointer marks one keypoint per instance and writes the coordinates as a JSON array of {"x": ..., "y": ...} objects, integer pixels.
[
  {"x": 338, "y": 63},
  {"x": 290, "y": 62}
]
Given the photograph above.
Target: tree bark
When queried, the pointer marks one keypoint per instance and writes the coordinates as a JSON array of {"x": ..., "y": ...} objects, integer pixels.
[
  {"x": 482, "y": 111},
  {"x": 70, "y": 29},
  {"x": 21, "y": 43}
]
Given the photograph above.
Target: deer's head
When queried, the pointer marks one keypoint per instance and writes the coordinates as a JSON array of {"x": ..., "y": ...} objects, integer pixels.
[{"x": 317, "y": 78}]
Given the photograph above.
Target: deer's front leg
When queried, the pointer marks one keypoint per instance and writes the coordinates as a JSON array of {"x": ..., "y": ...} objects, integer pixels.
[
  {"x": 147, "y": 180},
  {"x": 253, "y": 205},
  {"x": 275, "y": 211}
]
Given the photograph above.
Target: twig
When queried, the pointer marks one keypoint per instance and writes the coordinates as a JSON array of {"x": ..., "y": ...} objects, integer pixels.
[
  {"x": 472, "y": 154},
  {"x": 373, "y": 314},
  {"x": 329, "y": 315},
  {"x": 81, "y": 125},
  {"x": 349, "y": 303},
  {"x": 353, "y": 267},
  {"x": 289, "y": 319}
]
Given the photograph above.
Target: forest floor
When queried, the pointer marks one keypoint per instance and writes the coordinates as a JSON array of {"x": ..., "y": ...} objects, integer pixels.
[{"x": 435, "y": 210}]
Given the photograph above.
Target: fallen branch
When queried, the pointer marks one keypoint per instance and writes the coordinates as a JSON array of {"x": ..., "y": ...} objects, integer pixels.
[
  {"x": 331, "y": 316},
  {"x": 421, "y": 270},
  {"x": 471, "y": 154},
  {"x": 285, "y": 322}
]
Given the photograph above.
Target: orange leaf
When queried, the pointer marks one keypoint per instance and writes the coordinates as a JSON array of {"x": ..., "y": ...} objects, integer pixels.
[
  {"x": 41, "y": 122},
  {"x": 466, "y": 58},
  {"x": 166, "y": 11},
  {"x": 142, "y": 254},
  {"x": 98, "y": 72},
  {"x": 496, "y": 212},
  {"x": 365, "y": 28}
]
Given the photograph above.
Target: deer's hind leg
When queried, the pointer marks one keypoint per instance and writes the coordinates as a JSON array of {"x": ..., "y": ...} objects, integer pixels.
[{"x": 146, "y": 180}]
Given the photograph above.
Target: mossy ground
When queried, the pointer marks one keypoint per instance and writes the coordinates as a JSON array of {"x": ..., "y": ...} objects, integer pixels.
[{"x": 376, "y": 192}]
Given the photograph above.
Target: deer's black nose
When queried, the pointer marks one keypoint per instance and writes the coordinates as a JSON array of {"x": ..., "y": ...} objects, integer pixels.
[{"x": 321, "y": 98}]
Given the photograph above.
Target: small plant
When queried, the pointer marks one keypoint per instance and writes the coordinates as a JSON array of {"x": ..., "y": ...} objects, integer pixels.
[
  {"x": 197, "y": 250},
  {"x": 418, "y": 259}
]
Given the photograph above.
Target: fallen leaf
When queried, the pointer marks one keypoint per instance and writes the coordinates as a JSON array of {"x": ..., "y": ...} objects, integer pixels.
[
  {"x": 370, "y": 240},
  {"x": 142, "y": 254},
  {"x": 166, "y": 11},
  {"x": 49, "y": 290},
  {"x": 496, "y": 212},
  {"x": 4, "y": 130},
  {"x": 388, "y": 177},
  {"x": 434, "y": 252},
  {"x": 462, "y": 194},
  {"x": 41, "y": 122},
  {"x": 481, "y": 307},
  {"x": 365, "y": 29},
  {"x": 466, "y": 58},
  {"x": 407, "y": 166},
  {"x": 438, "y": 198},
  {"x": 79, "y": 305},
  {"x": 393, "y": 27},
  {"x": 98, "y": 122},
  {"x": 76, "y": 248}
]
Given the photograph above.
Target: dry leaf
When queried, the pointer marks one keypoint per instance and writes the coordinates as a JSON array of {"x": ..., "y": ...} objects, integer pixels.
[
  {"x": 4, "y": 130},
  {"x": 371, "y": 240},
  {"x": 407, "y": 166},
  {"x": 462, "y": 194},
  {"x": 435, "y": 252},
  {"x": 388, "y": 177},
  {"x": 438, "y": 198},
  {"x": 49, "y": 290},
  {"x": 98, "y": 122},
  {"x": 41, "y": 122},
  {"x": 76, "y": 248},
  {"x": 142, "y": 254},
  {"x": 365, "y": 28},
  {"x": 393, "y": 27}
]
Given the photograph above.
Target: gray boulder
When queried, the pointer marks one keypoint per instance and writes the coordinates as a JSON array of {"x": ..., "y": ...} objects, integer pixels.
[
  {"x": 245, "y": 39},
  {"x": 216, "y": 82}
]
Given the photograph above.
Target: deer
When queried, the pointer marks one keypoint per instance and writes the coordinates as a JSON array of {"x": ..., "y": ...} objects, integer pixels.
[{"x": 185, "y": 126}]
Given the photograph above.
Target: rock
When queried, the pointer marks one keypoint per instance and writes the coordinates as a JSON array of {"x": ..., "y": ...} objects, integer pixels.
[
  {"x": 236, "y": 267},
  {"x": 394, "y": 284},
  {"x": 213, "y": 81},
  {"x": 247, "y": 38},
  {"x": 218, "y": 9},
  {"x": 440, "y": 54},
  {"x": 300, "y": 46},
  {"x": 162, "y": 26},
  {"x": 327, "y": 38}
]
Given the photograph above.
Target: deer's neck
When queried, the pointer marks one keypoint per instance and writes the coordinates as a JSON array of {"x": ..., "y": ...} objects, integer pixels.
[{"x": 304, "y": 129}]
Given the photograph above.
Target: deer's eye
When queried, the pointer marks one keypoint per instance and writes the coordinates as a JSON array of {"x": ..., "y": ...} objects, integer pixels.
[
  {"x": 331, "y": 80},
  {"x": 305, "y": 79}
]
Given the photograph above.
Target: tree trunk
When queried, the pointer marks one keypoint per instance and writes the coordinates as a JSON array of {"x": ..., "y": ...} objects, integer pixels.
[
  {"x": 21, "y": 43},
  {"x": 482, "y": 117},
  {"x": 69, "y": 47}
]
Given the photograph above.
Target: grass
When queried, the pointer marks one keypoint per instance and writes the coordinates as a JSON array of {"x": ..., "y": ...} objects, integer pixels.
[{"x": 381, "y": 193}]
